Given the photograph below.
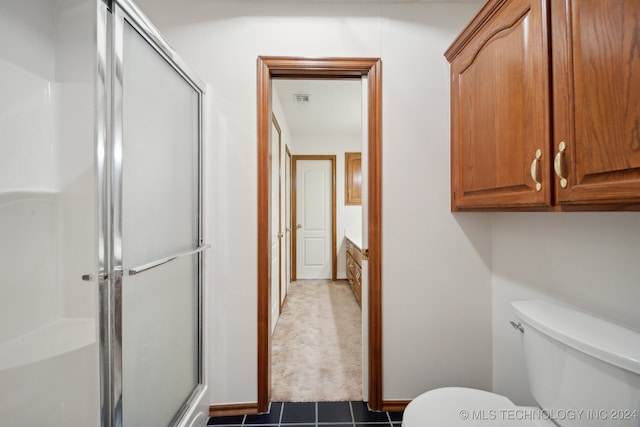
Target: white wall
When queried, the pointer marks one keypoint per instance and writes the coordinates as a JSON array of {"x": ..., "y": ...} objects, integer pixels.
[
  {"x": 588, "y": 260},
  {"x": 436, "y": 267}
]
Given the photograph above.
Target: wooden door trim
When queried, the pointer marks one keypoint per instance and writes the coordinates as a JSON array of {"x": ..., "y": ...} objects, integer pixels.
[
  {"x": 328, "y": 68},
  {"x": 294, "y": 211}
]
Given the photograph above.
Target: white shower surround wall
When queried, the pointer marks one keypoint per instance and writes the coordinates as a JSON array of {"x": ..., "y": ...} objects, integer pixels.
[
  {"x": 47, "y": 358},
  {"x": 46, "y": 375},
  {"x": 29, "y": 262},
  {"x": 48, "y": 346}
]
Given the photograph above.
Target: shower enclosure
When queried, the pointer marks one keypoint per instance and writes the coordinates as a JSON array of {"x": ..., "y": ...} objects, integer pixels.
[{"x": 101, "y": 251}]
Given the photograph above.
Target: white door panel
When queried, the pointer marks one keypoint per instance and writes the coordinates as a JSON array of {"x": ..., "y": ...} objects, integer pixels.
[
  {"x": 365, "y": 239},
  {"x": 314, "y": 204},
  {"x": 288, "y": 226},
  {"x": 275, "y": 225},
  {"x": 314, "y": 248}
]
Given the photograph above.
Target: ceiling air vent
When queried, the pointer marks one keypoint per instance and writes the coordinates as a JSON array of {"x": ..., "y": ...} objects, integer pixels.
[{"x": 301, "y": 98}]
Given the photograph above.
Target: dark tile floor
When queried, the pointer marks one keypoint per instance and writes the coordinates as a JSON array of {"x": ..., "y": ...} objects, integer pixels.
[{"x": 314, "y": 414}]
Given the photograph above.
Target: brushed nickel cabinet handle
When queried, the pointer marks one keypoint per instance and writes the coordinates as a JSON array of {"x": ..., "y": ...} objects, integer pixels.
[
  {"x": 560, "y": 165},
  {"x": 535, "y": 170}
]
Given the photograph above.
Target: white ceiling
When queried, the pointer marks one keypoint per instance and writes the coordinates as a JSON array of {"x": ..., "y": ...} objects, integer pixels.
[{"x": 334, "y": 105}]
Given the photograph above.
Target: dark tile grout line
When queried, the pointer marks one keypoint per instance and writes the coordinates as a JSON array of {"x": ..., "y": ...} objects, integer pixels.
[
  {"x": 281, "y": 413},
  {"x": 353, "y": 418}
]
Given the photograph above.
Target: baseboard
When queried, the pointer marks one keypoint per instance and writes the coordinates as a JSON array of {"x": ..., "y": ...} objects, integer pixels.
[
  {"x": 233, "y": 409},
  {"x": 394, "y": 405}
]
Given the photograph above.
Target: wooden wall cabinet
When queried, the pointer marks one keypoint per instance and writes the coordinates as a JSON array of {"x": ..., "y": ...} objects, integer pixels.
[
  {"x": 353, "y": 179},
  {"x": 545, "y": 106}
]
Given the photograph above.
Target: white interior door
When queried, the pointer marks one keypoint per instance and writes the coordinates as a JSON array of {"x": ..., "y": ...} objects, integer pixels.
[
  {"x": 365, "y": 238},
  {"x": 276, "y": 224},
  {"x": 313, "y": 213},
  {"x": 287, "y": 222}
]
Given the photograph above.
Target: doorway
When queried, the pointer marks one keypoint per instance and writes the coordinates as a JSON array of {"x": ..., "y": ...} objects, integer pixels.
[{"x": 330, "y": 68}]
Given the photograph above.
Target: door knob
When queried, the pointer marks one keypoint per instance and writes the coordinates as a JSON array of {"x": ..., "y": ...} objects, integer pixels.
[{"x": 299, "y": 226}]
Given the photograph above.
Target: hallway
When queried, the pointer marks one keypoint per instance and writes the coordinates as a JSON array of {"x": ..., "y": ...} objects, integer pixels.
[{"x": 317, "y": 344}]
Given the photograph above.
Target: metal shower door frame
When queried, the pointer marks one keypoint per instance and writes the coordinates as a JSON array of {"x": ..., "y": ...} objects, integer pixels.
[{"x": 111, "y": 17}]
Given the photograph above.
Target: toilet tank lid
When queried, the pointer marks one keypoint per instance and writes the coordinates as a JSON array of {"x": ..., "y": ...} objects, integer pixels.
[{"x": 584, "y": 332}]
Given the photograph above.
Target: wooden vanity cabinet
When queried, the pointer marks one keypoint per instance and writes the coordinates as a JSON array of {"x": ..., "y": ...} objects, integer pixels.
[
  {"x": 544, "y": 89},
  {"x": 354, "y": 269}
]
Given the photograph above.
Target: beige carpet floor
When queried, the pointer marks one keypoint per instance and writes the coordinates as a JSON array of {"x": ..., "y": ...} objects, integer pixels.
[{"x": 316, "y": 352}]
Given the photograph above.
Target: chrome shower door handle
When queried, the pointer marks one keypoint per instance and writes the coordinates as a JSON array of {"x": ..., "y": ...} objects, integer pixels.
[
  {"x": 90, "y": 277},
  {"x": 142, "y": 268}
]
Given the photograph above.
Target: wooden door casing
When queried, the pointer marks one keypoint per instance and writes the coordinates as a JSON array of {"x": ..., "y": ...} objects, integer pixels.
[{"x": 338, "y": 68}]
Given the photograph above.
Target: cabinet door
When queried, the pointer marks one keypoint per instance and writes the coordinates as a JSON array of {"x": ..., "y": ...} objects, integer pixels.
[
  {"x": 596, "y": 69},
  {"x": 353, "y": 179},
  {"x": 500, "y": 109}
]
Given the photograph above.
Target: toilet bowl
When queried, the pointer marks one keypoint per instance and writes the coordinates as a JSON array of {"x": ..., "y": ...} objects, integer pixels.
[
  {"x": 582, "y": 370},
  {"x": 467, "y": 407}
]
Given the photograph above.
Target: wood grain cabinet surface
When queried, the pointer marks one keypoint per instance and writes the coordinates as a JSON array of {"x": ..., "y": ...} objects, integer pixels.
[
  {"x": 353, "y": 178},
  {"x": 354, "y": 269},
  {"x": 545, "y": 106}
]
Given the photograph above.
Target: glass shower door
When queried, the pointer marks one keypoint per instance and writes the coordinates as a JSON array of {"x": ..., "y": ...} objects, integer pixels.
[{"x": 157, "y": 229}]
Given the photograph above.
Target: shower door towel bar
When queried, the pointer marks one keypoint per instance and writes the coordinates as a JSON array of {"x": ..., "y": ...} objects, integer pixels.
[
  {"x": 145, "y": 267},
  {"x": 161, "y": 261}
]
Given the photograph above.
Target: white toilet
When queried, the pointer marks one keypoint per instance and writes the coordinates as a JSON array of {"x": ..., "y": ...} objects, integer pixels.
[{"x": 582, "y": 370}]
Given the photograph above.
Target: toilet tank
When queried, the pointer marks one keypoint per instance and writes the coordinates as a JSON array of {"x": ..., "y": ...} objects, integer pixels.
[{"x": 582, "y": 370}]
